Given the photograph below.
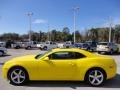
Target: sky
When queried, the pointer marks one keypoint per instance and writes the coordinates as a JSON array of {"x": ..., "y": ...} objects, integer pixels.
[{"x": 56, "y": 14}]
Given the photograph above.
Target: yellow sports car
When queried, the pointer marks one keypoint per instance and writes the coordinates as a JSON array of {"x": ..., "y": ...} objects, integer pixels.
[{"x": 60, "y": 65}]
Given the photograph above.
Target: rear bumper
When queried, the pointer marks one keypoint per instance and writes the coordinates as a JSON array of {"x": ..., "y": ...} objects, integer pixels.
[{"x": 103, "y": 50}]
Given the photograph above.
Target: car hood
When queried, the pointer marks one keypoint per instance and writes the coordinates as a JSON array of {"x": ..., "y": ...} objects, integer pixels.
[{"x": 24, "y": 58}]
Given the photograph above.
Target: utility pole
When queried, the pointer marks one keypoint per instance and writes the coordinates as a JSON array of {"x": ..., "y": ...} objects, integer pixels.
[
  {"x": 30, "y": 16},
  {"x": 49, "y": 36},
  {"x": 110, "y": 29},
  {"x": 75, "y": 9}
]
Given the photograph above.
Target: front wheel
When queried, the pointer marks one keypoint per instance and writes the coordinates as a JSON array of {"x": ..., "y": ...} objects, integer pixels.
[
  {"x": 95, "y": 77},
  {"x": 18, "y": 76}
]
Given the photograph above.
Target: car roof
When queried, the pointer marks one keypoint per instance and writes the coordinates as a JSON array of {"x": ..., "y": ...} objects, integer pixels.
[{"x": 65, "y": 49}]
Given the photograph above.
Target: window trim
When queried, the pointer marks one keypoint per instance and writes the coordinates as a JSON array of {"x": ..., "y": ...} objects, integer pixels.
[{"x": 69, "y": 58}]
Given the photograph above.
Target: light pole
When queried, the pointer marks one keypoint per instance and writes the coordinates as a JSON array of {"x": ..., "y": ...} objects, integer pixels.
[
  {"x": 49, "y": 36},
  {"x": 30, "y": 16},
  {"x": 110, "y": 29},
  {"x": 75, "y": 9}
]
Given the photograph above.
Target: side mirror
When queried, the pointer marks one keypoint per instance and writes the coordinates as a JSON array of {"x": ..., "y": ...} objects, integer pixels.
[{"x": 46, "y": 59}]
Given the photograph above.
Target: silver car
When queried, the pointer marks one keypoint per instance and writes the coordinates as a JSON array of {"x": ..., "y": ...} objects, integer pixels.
[
  {"x": 108, "y": 47},
  {"x": 3, "y": 51}
]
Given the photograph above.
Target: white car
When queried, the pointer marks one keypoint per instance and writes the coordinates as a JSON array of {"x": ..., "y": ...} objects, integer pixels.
[
  {"x": 17, "y": 45},
  {"x": 68, "y": 44},
  {"x": 108, "y": 47},
  {"x": 3, "y": 51},
  {"x": 60, "y": 45},
  {"x": 48, "y": 45},
  {"x": 39, "y": 44},
  {"x": 30, "y": 44}
]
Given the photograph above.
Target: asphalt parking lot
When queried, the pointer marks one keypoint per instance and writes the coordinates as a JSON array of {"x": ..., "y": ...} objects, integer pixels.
[{"x": 5, "y": 85}]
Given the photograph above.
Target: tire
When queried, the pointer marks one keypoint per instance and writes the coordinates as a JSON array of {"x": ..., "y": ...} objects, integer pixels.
[
  {"x": 95, "y": 77},
  {"x": 111, "y": 52},
  {"x": 67, "y": 46},
  {"x": 40, "y": 48},
  {"x": 1, "y": 53},
  {"x": 88, "y": 49},
  {"x": 29, "y": 47},
  {"x": 45, "y": 48},
  {"x": 18, "y": 76},
  {"x": 17, "y": 47},
  {"x": 99, "y": 52}
]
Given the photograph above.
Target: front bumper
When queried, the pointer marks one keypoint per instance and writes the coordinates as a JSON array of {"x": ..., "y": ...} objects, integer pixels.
[
  {"x": 111, "y": 71},
  {"x": 4, "y": 73}
]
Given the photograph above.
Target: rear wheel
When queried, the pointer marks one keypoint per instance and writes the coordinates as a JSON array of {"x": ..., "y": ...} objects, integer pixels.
[
  {"x": 1, "y": 53},
  {"x": 18, "y": 76},
  {"x": 95, "y": 77}
]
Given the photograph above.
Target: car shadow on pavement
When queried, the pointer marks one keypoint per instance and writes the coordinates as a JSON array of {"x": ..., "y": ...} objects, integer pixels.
[
  {"x": 5, "y": 55},
  {"x": 115, "y": 54},
  {"x": 113, "y": 83}
]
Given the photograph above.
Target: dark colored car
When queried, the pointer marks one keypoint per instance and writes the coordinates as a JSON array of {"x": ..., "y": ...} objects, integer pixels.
[
  {"x": 83, "y": 46},
  {"x": 92, "y": 45}
]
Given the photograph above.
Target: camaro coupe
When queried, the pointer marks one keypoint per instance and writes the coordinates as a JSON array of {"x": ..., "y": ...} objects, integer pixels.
[{"x": 60, "y": 65}]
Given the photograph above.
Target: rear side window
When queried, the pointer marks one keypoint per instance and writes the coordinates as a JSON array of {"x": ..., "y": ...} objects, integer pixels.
[{"x": 78, "y": 55}]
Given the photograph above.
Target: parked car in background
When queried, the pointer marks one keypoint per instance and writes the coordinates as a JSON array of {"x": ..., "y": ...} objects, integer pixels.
[
  {"x": 3, "y": 51},
  {"x": 83, "y": 46},
  {"x": 68, "y": 44},
  {"x": 48, "y": 45},
  {"x": 108, "y": 47},
  {"x": 39, "y": 44},
  {"x": 9, "y": 43},
  {"x": 2, "y": 44},
  {"x": 17, "y": 45},
  {"x": 92, "y": 45},
  {"x": 60, "y": 45},
  {"x": 30, "y": 44}
]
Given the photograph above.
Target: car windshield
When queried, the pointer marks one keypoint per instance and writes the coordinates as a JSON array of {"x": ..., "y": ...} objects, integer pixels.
[{"x": 41, "y": 54}]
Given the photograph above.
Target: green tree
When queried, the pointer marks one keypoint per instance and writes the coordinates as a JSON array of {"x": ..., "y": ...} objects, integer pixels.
[{"x": 66, "y": 33}]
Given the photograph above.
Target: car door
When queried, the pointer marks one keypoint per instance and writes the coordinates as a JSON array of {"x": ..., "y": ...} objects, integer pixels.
[
  {"x": 60, "y": 66},
  {"x": 63, "y": 66}
]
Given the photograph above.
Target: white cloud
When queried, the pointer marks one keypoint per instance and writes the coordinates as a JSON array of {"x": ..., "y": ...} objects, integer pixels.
[
  {"x": 106, "y": 23},
  {"x": 116, "y": 21},
  {"x": 39, "y": 21}
]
